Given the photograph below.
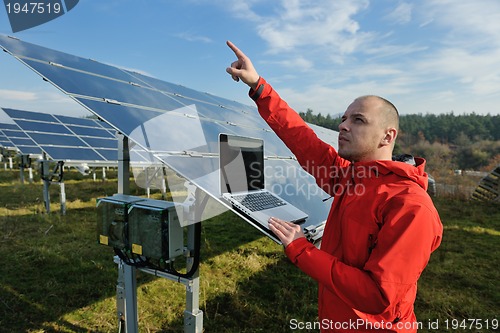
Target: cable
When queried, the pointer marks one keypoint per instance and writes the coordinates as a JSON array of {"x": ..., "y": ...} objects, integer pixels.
[{"x": 197, "y": 242}]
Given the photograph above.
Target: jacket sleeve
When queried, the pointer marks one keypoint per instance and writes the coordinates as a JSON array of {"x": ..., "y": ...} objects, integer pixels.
[
  {"x": 315, "y": 156},
  {"x": 410, "y": 233}
]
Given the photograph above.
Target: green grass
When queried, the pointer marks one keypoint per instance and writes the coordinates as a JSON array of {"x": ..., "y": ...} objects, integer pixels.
[{"x": 54, "y": 276}]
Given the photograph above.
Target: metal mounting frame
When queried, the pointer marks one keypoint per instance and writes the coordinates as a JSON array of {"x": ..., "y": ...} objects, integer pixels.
[{"x": 126, "y": 287}]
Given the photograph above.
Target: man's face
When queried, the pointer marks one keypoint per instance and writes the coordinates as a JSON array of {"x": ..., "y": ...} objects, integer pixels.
[{"x": 361, "y": 130}]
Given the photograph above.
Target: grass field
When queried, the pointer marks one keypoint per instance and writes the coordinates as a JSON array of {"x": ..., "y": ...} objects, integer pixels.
[{"x": 54, "y": 277}]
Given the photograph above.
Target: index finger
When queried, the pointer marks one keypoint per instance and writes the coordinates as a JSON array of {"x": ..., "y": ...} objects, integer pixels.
[{"x": 236, "y": 50}]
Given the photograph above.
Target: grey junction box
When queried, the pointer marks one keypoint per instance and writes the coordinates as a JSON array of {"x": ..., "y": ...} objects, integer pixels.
[
  {"x": 154, "y": 229},
  {"x": 140, "y": 226}
]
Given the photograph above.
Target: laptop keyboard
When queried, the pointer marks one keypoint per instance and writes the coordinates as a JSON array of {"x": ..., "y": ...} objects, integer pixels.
[{"x": 259, "y": 201}]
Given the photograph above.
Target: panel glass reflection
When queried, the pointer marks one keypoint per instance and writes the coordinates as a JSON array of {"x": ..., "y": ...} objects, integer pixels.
[
  {"x": 42, "y": 127},
  {"x": 29, "y": 150},
  {"x": 68, "y": 153},
  {"x": 24, "y": 49},
  {"x": 89, "y": 131},
  {"x": 184, "y": 135},
  {"x": 55, "y": 139},
  {"x": 21, "y": 114}
]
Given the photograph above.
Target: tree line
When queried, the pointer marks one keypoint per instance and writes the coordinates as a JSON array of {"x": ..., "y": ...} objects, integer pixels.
[
  {"x": 443, "y": 128},
  {"x": 467, "y": 141}
]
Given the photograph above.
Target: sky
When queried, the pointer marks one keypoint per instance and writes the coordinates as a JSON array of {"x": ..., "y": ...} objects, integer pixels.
[{"x": 427, "y": 56}]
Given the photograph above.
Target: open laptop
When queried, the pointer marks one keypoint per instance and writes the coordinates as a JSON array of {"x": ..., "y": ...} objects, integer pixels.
[{"x": 241, "y": 165}]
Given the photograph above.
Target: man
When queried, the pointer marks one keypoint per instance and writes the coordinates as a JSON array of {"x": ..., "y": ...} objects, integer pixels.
[{"x": 382, "y": 226}]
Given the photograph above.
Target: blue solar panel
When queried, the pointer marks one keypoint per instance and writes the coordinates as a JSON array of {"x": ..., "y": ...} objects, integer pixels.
[
  {"x": 72, "y": 154},
  {"x": 76, "y": 121},
  {"x": 177, "y": 125},
  {"x": 27, "y": 115},
  {"x": 16, "y": 133},
  {"x": 37, "y": 126},
  {"x": 108, "y": 154},
  {"x": 4, "y": 139},
  {"x": 14, "y": 138},
  {"x": 62, "y": 137},
  {"x": 91, "y": 132},
  {"x": 63, "y": 140}
]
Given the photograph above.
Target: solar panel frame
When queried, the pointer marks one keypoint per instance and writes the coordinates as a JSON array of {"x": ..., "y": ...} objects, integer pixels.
[
  {"x": 55, "y": 135},
  {"x": 131, "y": 102},
  {"x": 5, "y": 142}
]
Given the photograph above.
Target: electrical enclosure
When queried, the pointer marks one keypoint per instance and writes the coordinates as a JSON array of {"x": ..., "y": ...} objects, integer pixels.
[
  {"x": 140, "y": 227},
  {"x": 154, "y": 229},
  {"x": 112, "y": 219}
]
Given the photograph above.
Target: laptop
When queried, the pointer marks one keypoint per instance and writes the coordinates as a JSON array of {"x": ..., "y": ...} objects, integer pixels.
[{"x": 241, "y": 165}]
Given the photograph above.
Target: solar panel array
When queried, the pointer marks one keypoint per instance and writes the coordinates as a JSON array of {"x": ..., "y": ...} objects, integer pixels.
[
  {"x": 4, "y": 139},
  {"x": 488, "y": 188},
  {"x": 177, "y": 125},
  {"x": 63, "y": 138},
  {"x": 13, "y": 137}
]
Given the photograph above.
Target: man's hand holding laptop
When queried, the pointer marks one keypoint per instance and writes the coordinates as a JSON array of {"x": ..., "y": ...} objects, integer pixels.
[{"x": 287, "y": 232}]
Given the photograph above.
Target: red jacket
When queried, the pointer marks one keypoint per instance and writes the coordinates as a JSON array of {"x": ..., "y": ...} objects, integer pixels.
[{"x": 379, "y": 235}]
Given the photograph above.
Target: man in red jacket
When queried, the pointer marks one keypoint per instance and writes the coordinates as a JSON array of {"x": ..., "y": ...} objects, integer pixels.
[{"x": 382, "y": 226}]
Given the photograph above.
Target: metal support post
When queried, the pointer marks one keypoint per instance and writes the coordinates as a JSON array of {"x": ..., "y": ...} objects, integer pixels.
[
  {"x": 126, "y": 310},
  {"x": 44, "y": 173},
  {"x": 123, "y": 164},
  {"x": 63, "y": 198},
  {"x": 25, "y": 162},
  {"x": 46, "y": 195},
  {"x": 193, "y": 316},
  {"x": 120, "y": 295},
  {"x": 163, "y": 184},
  {"x": 21, "y": 173}
]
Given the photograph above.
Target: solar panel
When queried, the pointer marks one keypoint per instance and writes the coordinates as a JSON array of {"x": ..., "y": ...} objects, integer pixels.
[
  {"x": 18, "y": 140},
  {"x": 4, "y": 139},
  {"x": 177, "y": 125},
  {"x": 63, "y": 138},
  {"x": 488, "y": 188}
]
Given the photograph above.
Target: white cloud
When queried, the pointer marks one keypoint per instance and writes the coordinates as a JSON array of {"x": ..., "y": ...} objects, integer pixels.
[
  {"x": 17, "y": 95},
  {"x": 446, "y": 57},
  {"x": 292, "y": 25},
  {"x": 467, "y": 21},
  {"x": 327, "y": 24},
  {"x": 480, "y": 71},
  {"x": 402, "y": 14},
  {"x": 297, "y": 63},
  {"x": 48, "y": 101},
  {"x": 193, "y": 38}
]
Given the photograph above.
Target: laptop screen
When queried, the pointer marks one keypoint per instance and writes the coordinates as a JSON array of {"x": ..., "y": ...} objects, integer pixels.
[{"x": 241, "y": 162}]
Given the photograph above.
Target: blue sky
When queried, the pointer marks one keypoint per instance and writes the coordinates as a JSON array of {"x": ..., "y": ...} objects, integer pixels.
[{"x": 428, "y": 56}]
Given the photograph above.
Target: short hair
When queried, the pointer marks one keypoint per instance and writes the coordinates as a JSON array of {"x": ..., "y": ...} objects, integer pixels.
[{"x": 391, "y": 110}]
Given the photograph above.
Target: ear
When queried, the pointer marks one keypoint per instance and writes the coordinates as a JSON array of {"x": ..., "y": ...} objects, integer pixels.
[{"x": 390, "y": 136}]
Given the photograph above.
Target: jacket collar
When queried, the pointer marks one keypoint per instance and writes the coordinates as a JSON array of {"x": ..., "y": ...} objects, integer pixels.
[{"x": 408, "y": 167}]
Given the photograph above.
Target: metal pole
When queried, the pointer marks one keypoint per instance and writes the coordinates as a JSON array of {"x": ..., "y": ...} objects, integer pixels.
[
  {"x": 21, "y": 173},
  {"x": 46, "y": 195},
  {"x": 44, "y": 171},
  {"x": 193, "y": 316},
  {"x": 126, "y": 305},
  {"x": 63, "y": 198},
  {"x": 123, "y": 164}
]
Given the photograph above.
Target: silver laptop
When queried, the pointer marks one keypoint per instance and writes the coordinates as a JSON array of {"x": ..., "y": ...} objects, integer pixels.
[{"x": 241, "y": 165}]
